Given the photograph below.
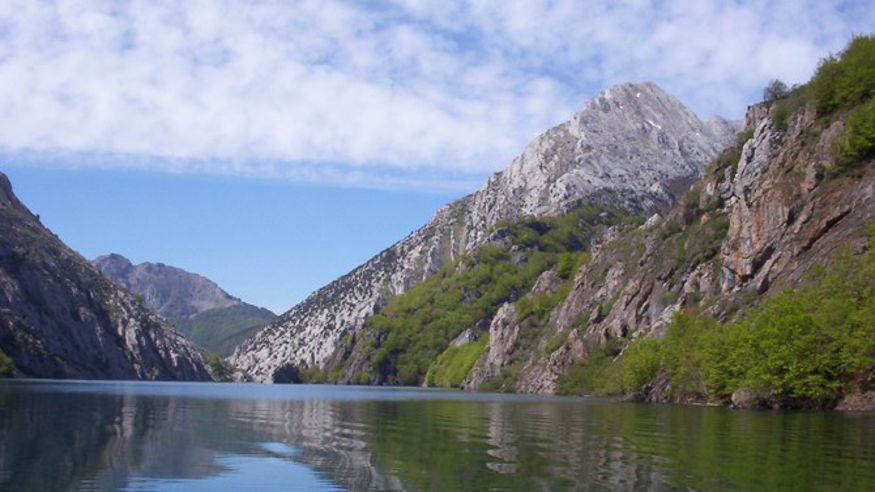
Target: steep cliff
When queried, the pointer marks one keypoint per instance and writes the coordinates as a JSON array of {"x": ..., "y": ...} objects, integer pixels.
[
  {"x": 633, "y": 147},
  {"x": 195, "y": 305},
  {"x": 756, "y": 289},
  {"x": 60, "y": 318}
]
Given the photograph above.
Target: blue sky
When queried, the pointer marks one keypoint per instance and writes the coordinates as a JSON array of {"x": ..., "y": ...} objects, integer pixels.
[
  {"x": 128, "y": 126},
  {"x": 268, "y": 242}
]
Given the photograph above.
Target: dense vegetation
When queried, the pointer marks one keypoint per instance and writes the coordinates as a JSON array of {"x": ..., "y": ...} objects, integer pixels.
[
  {"x": 412, "y": 333},
  {"x": 451, "y": 367},
  {"x": 843, "y": 85},
  {"x": 808, "y": 345},
  {"x": 218, "y": 368},
  {"x": 847, "y": 83}
]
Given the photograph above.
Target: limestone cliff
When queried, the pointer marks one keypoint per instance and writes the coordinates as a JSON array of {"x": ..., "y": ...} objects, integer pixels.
[{"x": 60, "y": 318}]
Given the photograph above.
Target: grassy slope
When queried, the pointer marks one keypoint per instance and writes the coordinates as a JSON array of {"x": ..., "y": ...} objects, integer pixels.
[{"x": 219, "y": 330}]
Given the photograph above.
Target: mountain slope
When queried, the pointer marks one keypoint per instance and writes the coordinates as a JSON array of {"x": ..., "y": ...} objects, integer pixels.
[
  {"x": 757, "y": 289},
  {"x": 60, "y": 318},
  {"x": 195, "y": 305},
  {"x": 634, "y": 147},
  {"x": 766, "y": 214}
]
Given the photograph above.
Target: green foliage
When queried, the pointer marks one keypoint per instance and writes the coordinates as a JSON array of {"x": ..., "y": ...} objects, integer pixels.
[
  {"x": 857, "y": 142},
  {"x": 415, "y": 328},
  {"x": 313, "y": 375},
  {"x": 810, "y": 344},
  {"x": 728, "y": 158},
  {"x": 845, "y": 80},
  {"x": 556, "y": 341},
  {"x": 743, "y": 136},
  {"x": 538, "y": 307},
  {"x": 787, "y": 106},
  {"x": 639, "y": 364},
  {"x": 781, "y": 116},
  {"x": 681, "y": 355},
  {"x": 220, "y": 371},
  {"x": 570, "y": 262},
  {"x": 776, "y": 89},
  {"x": 419, "y": 324},
  {"x": 220, "y": 330},
  {"x": 589, "y": 377},
  {"x": 455, "y": 363},
  {"x": 6, "y": 365}
]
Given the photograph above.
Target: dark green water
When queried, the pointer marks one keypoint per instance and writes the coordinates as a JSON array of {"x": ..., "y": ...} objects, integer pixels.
[{"x": 189, "y": 436}]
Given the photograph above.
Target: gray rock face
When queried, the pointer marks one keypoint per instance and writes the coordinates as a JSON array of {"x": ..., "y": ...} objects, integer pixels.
[
  {"x": 633, "y": 147},
  {"x": 195, "y": 305},
  {"x": 60, "y": 318},
  {"x": 172, "y": 292}
]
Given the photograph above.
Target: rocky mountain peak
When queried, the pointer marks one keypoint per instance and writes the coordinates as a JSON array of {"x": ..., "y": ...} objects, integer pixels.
[
  {"x": 171, "y": 291},
  {"x": 633, "y": 147},
  {"x": 195, "y": 305},
  {"x": 7, "y": 197},
  {"x": 113, "y": 265}
]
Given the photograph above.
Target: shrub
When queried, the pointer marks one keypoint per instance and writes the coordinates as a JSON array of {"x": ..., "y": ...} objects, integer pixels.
[
  {"x": 743, "y": 136},
  {"x": 775, "y": 90},
  {"x": 218, "y": 368},
  {"x": 569, "y": 263},
  {"x": 640, "y": 364},
  {"x": 845, "y": 80},
  {"x": 455, "y": 363},
  {"x": 556, "y": 341},
  {"x": 588, "y": 377},
  {"x": 811, "y": 344},
  {"x": 857, "y": 142}
]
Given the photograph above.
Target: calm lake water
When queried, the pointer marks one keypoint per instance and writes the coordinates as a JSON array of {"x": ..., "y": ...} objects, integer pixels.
[{"x": 193, "y": 436}]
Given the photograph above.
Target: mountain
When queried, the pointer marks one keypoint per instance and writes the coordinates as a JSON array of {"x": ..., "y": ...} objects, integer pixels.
[
  {"x": 767, "y": 214},
  {"x": 197, "y": 306},
  {"x": 60, "y": 318},
  {"x": 756, "y": 289},
  {"x": 633, "y": 147}
]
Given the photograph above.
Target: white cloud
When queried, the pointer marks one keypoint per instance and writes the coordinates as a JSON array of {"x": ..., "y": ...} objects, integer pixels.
[{"x": 403, "y": 93}]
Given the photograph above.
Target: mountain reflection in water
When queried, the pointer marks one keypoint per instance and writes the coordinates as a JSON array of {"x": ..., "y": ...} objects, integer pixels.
[{"x": 184, "y": 436}]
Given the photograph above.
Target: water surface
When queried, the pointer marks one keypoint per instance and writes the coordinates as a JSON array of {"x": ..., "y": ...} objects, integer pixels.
[{"x": 206, "y": 436}]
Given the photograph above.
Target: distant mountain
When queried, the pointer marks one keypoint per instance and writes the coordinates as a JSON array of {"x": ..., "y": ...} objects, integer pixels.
[
  {"x": 634, "y": 147},
  {"x": 60, "y": 318},
  {"x": 197, "y": 306}
]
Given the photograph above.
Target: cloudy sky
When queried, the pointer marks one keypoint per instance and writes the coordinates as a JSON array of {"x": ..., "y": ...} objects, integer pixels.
[
  {"x": 273, "y": 146},
  {"x": 431, "y": 94}
]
